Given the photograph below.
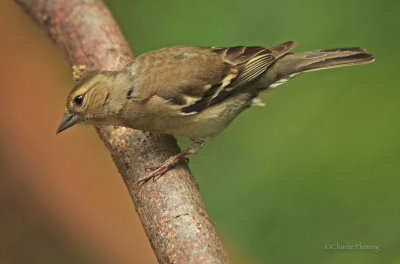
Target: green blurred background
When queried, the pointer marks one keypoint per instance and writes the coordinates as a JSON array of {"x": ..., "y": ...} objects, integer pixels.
[{"x": 318, "y": 165}]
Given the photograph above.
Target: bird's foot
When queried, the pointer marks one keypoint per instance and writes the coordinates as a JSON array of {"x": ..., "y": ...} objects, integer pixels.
[
  {"x": 155, "y": 171},
  {"x": 78, "y": 71}
]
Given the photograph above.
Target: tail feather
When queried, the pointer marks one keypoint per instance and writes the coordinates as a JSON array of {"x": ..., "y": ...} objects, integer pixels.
[
  {"x": 293, "y": 64},
  {"x": 325, "y": 59}
]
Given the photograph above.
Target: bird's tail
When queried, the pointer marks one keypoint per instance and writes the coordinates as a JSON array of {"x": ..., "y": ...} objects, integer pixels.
[{"x": 293, "y": 64}]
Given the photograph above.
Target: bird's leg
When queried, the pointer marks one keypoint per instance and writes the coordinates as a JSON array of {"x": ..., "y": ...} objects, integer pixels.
[{"x": 161, "y": 169}]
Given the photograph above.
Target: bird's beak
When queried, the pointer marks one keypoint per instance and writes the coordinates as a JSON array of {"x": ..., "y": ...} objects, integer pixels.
[{"x": 68, "y": 121}]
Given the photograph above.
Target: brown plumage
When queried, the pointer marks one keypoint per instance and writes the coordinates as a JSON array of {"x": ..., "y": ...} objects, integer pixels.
[{"x": 192, "y": 91}]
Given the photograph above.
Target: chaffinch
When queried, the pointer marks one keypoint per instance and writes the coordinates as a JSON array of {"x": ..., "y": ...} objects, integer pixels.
[{"x": 192, "y": 91}]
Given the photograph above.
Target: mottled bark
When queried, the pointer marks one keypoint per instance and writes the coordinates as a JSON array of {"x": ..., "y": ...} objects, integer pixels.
[{"x": 171, "y": 209}]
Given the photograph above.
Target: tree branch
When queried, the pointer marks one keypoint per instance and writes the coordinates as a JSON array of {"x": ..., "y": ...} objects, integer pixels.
[{"x": 171, "y": 209}]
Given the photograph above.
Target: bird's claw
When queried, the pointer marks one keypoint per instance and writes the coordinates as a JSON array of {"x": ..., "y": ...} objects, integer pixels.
[
  {"x": 153, "y": 167},
  {"x": 154, "y": 171},
  {"x": 78, "y": 71}
]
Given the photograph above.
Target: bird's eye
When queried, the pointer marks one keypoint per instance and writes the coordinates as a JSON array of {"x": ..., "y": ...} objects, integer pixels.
[{"x": 78, "y": 100}]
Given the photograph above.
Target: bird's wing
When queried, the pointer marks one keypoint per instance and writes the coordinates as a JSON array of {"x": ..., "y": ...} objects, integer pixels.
[{"x": 193, "y": 78}]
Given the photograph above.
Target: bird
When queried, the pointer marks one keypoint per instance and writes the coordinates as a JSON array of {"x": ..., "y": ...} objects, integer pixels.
[{"x": 192, "y": 91}]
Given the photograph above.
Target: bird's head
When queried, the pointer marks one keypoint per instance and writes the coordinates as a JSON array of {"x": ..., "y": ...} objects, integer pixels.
[{"x": 87, "y": 102}]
